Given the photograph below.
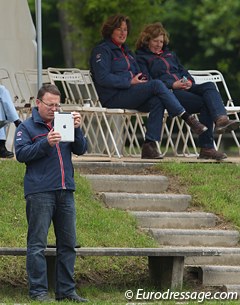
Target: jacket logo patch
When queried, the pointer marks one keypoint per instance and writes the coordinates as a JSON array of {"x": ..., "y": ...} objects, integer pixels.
[{"x": 98, "y": 57}]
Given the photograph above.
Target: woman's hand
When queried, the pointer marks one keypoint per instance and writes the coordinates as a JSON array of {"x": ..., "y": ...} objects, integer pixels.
[
  {"x": 138, "y": 80},
  {"x": 179, "y": 84}
]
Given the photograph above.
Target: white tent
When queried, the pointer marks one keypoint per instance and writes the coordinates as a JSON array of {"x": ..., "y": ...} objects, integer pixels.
[{"x": 18, "y": 49}]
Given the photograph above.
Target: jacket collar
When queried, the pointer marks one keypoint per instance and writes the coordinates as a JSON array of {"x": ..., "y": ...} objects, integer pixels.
[
  {"x": 146, "y": 50},
  {"x": 36, "y": 116},
  {"x": 113, "y": 46}
]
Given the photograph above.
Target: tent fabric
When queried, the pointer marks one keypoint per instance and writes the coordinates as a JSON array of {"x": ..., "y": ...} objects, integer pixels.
[{"x": 18, "y": 50}]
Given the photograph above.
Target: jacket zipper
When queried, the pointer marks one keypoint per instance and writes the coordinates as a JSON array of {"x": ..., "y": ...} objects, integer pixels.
[
  {"x": 61, "y": 166},
  {"x": 128, "y": 62}
]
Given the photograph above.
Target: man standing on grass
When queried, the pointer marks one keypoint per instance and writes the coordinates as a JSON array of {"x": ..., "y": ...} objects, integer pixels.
[{"x": 48, "y": 189}]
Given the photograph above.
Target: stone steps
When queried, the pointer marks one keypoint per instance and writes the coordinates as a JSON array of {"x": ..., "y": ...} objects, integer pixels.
[
  {"x": 177, "y": 220},
  {"x": 120, "y": 167},
  {"x": 229, "y": 256},
  {"x": 231, "y": 259},
  {"x": 164, "y": 216},
  {"x": 191, "y": 237},
  {"x": 147, "y": 202},
  {"x": 219, "y": 275},
  {"x": 128, "y": 183}
]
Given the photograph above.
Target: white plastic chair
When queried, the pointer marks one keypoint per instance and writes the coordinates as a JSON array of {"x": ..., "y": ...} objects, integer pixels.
[
  {"x": 215, "y": 76},
  {"x": 27, "y": 81},
  {"x": 121, "y": 130},
  {"x": 74, "y": 86},
  {"x": 127, "y": 125}
]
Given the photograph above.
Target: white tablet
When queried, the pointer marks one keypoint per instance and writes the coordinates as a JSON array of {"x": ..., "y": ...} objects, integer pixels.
[{"x": 64, "y": 124}]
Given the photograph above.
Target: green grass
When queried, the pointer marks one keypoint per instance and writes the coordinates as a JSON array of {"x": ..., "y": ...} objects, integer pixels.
[
  {"x": 104, "y": 280},
  {"x": 214, "y": 186}
]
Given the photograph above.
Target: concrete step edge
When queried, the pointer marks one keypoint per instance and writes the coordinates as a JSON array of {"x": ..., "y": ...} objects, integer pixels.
[
  {"x": 195, "y": 237},
  {"x": 173, "y": 214},
  {"x": 195, "y": 232},
  {"x": 232, "y": 287},
  {"x": 145, "y": 195},
  {"x": 229, "y": 258},
  {"x": 174, "y": 220},
  {"x": 211, "y": 275},
  {"x": 112, "y": 165},
  {"x": 146, "y": 202},
  {"x": 126, "y": 177},
  {"x": 221, "y": 250},
  {"x": 222, "y": 268},
  {"x": 128, "y": 183}
]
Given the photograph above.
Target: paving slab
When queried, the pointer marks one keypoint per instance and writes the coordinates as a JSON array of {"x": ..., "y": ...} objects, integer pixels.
[
  {"x": 177, "y": 220},
  {"x": 219, "y": 275},
  {"x": 214, "y": 238},
  {"x": 147, "y": 202},
  {"x": 168, "y": 158},
  {"x": 104, "y": 165},
  {"x": 229, "y": 256},
  {"x": 128, "y": 183}
]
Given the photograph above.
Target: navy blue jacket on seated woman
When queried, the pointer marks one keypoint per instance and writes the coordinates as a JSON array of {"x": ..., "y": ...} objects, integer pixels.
[
  {"x": 113, "y": 68},
  {"x": 165, "y": 66}
]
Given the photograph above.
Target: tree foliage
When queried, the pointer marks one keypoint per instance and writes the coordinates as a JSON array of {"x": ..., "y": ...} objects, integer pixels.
[
  {"x": 87, "y": 16},
  {"x": 217, "y": 24}
]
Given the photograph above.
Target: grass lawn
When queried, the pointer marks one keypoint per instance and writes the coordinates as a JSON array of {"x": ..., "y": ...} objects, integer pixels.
[
  {"x": 214, "y": 186},
  {"x": 104, "y": 280}
]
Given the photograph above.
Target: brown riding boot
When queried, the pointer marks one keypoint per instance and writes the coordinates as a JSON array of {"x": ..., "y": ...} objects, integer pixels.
[
  {"x": 195, "y": 125},
  {"x": 223, "y": 124},
  {"x": 150, "y": 151},
  {"x": 211, "y": 153}
]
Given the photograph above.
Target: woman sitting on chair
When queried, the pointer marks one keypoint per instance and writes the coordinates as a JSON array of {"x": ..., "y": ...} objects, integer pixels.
[{"x": 158, "y": 62}]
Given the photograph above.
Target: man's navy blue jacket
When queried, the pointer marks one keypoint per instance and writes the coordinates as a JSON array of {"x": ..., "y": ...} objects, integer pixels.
[
  {"x": 112, "y": 69},
  {"x": 47, "y": 168}
]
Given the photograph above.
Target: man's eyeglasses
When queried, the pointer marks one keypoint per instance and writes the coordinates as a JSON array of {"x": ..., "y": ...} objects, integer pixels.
[{"x": 50, "y": 105}]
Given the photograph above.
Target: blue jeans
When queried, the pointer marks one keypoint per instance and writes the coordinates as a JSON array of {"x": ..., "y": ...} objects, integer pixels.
[
  {"x": 7, "y": 110},
  {"x": 205, "y": 100},
  {"x": 153, "y": 97},
  {"x": 41, "y": 209}
]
